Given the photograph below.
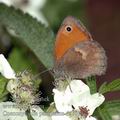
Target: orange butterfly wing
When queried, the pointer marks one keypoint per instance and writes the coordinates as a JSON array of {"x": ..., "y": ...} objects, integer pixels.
[{"x": 66, "y": 40}]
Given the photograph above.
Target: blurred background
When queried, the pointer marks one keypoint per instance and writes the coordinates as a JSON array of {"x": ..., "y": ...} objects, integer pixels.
[{"x": 101, "y": 17}]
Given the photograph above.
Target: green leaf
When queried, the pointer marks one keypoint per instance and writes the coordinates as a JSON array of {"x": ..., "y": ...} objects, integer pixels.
[
  {"x": 20, "y": 62},
  {"x": 91, "y": 82},
  {"x": 29, "y": 115},
  {"x": 113, "y": 107},
  {"x": 51, "y": 108},
  {"x": 31, "y": 32},
  {"x": 4, "y": 98},
  {"x": 104, "y": 114},
  {"x": 3, "y": 91},
  {"x": 110, "y": 87},
  {"x": 114, "y": 85},
  {"x": 103, "y": 88}
]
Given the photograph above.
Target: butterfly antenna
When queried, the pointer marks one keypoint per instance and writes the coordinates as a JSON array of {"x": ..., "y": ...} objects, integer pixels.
[{"x": 41, "y": 73}]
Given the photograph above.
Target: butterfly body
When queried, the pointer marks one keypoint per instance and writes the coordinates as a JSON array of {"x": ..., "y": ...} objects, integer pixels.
[{"x": 77, "y": 55}]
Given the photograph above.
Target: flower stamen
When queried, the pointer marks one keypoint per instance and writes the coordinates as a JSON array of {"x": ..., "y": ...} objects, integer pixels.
[{"x": 84, "y": 111}]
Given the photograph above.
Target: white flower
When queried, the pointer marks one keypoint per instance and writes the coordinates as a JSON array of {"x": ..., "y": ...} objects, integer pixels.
[
  {"x": 116, "y": 117},
  {"x": 38, "y": 114},
  {"x": 79, "y": 99},
  {"x": 12, "y": 86},
  {"x": 7, "y": 2},
  {"x": 9, "y": 111},
  {"x": 91, "y": 118},
  {"x": 32, "y": 7},
  {"x": 12, "y": 110},
  {"x": 5, "y": 68},
  {"x": 61, "y": 117},
  {"x": 68, "y": 102}
]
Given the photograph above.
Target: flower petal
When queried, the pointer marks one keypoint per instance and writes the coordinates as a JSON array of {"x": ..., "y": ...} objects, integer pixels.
[
  {"x": 12, "y": 86},
  {"x": 77, "y": 86},
  {"x": 62, "y": 101},
  {"x": 65, "y": 99},
  {"x": 38, "y": 114},
  {"x": 5, "y": 68},
  {"x": 91, "y": 118},
  {"x": 95, "y": 101},
  {"x": 61, "y": 117},
  {"x": 9, "y": 111},
  {"x": 80, "y": 93},
  {"x": 76, "y": 97}
]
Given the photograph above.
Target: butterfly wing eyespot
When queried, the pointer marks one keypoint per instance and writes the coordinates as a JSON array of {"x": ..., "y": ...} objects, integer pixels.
[{"x": 68, "y": 28}]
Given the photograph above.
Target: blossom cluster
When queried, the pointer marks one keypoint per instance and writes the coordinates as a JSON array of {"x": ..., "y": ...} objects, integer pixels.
[{"x": 73, "y": 101}]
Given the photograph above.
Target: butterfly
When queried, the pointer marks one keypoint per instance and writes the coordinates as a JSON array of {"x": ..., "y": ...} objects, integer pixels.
[{"x": 76, "y": 54}]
